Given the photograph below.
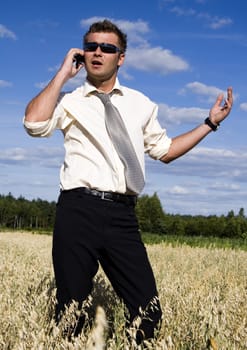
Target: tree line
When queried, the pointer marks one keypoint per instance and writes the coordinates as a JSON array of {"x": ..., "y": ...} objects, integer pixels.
[
  {"x": 20, "y": 213},
  {"x": 37, "y": 214}
]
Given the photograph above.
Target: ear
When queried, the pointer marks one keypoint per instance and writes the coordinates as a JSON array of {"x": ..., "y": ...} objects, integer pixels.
[{"x": 121, "y": 59}]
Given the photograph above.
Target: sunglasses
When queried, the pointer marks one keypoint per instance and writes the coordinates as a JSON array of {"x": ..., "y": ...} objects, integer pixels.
[{"x": 104, "y": 47}]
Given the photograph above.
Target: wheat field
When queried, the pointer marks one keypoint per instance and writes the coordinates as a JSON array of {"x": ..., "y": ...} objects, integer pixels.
[{"x": 202, "y": 291}]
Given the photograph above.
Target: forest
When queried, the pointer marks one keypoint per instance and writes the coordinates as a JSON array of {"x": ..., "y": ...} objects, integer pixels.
[{"x": 38, "y": 215}]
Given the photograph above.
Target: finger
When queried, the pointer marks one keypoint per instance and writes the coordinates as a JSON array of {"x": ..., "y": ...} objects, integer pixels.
[
  {"x": 229, "y": 95},
  {"x": 227, "y": 105},
  {"x": 229, "y": 100},
  {"x": 219, "y": 100}
]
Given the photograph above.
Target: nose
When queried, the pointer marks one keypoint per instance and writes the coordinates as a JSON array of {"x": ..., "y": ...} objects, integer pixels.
[{"x": 98, "y": 51}]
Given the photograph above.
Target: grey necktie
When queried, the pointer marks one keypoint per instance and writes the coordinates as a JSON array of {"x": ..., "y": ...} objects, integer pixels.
[{"x": 121, "y": 140}]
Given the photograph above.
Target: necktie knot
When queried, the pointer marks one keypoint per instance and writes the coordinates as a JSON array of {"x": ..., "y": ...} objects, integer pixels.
[{"x": 103, "y": 97}]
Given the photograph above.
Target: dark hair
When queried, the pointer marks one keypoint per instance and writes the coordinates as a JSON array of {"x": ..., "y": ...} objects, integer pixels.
[{"x": 108, "y": 27}]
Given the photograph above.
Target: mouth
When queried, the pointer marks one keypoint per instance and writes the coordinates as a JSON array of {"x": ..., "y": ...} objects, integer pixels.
[{"x": 96, "y": 63}]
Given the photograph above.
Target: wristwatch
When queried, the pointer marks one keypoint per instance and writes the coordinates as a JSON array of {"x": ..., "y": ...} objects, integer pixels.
[{"x": 211, "y": 125}]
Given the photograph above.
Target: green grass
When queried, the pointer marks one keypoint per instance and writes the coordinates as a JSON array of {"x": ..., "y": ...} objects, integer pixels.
[
  {"x": 195, "y": 241},
  {"x": 174, "y": 240}
]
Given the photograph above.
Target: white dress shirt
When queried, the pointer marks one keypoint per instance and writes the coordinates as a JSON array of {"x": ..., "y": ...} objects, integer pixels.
[{"x": 90, "y": 157}]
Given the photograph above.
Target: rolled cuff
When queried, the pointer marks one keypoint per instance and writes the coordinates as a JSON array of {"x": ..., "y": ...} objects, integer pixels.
[
  {"x": 161, "y": 148},
  {"x": 38, "y": 129}
]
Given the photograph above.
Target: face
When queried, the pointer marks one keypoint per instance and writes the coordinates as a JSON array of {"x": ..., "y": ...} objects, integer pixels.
[{"x": 102, "y": 67}]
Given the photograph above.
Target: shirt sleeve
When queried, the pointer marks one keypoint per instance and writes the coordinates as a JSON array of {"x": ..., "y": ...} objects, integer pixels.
[
  {"x": 156, "y": 141},
  {"x": 59, "y": 120}
]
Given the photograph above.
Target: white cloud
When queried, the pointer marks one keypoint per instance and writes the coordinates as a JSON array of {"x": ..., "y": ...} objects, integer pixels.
[
  {"x": 4, "y": 83},
  {"x": 213, "y": 22},
  {"x": 205, "y": 180},
  {"x": 219, "y": 164},
  {"x": 243, "y": 106},
  {"x": 216, "y": 163},
  {"x": 179, "y": 190},
  {"x": 6, "y": 33},
  {"x": 174, "y": 115},
  {"x": 210, "y": 92},
  {"x": 13, "y": 154},
  {"x": 156, "y": 59},
  {"x": 136, "y": 31},
  {"x": 85, "y": 23},
  {"x": 202, "y": 89},
  {"x": 216, "y": 23},
  {"x": 215, "y": 153},
  {"x": 219, "y": 186},
  {"x": 41, "y": 85},
  {"x": 183, "y": 12},
  {"x": 177, "y": 115},
  {"x": 47, "y": 157}
]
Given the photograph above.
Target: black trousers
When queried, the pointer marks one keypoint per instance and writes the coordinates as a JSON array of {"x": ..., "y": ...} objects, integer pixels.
[{"x": 89, "y": 231}]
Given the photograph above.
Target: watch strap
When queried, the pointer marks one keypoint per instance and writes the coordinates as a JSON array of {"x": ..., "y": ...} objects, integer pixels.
[{"x": 208, "y": 122}]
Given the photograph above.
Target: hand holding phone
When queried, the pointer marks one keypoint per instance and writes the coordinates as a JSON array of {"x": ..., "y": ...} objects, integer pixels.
[{"x": 78, "y": 59}]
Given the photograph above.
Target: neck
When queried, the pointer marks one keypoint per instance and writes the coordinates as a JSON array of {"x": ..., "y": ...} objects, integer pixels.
[{"x": 105, "y": 86}]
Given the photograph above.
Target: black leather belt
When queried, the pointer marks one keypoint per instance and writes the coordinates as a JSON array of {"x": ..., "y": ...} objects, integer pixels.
[{"x": 107, "y": 196}]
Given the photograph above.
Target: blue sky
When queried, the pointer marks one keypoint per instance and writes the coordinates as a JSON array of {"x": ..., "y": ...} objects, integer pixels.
[{"x": 181, "y": 54}]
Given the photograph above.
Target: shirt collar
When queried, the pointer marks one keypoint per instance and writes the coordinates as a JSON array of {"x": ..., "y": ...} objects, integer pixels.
[{"x": 89, "y": 89}]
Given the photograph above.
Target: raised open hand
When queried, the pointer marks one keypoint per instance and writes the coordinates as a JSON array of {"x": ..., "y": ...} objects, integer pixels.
[{"x": 219, "y": 112}]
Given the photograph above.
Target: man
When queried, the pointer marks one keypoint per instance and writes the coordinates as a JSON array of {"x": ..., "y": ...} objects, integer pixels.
[{"x": 95, "y": 219}]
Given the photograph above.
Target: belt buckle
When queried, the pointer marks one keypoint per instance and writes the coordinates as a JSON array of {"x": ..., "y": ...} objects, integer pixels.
[{"x": 102, "y": 196}]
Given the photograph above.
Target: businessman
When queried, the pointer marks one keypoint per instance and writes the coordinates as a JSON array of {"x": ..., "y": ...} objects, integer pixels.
[{"x": 107, "y": 129}]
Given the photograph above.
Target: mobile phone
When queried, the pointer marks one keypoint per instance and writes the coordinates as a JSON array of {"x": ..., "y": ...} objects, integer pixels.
[{"x": 78, "y": 59}]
